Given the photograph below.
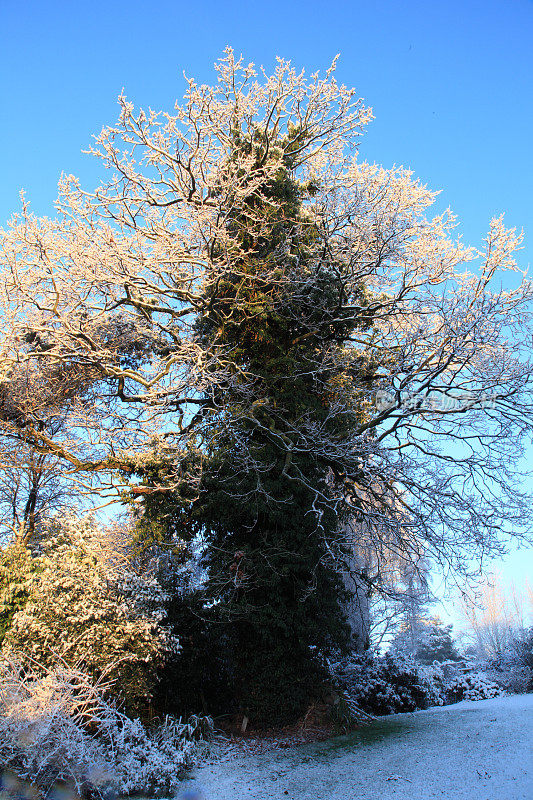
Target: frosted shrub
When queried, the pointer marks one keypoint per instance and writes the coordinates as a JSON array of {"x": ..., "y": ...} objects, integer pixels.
[
  {"x": 57, "y": 724},
  {"x": 392, "y": 684},
  {"x": 472, "y": 686},
  {"x": 383, "y": 684},
  {"x": 512, "y": 669},
  {"x": 435, "y": 684},
  {"x": 147, "y": 762},
  {"x": 42, "y": 736},
  {"x": 81, "y": 605}
]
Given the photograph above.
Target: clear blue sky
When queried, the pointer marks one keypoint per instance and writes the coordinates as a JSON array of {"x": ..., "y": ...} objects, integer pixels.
[{"x": 450, "y": 84}]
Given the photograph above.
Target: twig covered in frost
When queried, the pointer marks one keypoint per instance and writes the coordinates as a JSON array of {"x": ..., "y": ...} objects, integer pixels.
[{"x": 57, "y": 724}]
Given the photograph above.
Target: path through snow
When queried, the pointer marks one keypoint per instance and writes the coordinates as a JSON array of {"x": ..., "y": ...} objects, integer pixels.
[{"x": 468, "y": 751}]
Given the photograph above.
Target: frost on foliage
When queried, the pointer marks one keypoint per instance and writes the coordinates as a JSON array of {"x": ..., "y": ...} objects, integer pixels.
[
  {"x": 383, "y": 685},
  {"x": 86, "y": 606},
  {"x": 392, "y": 684},
  {"x": 57, "y": 724},
  {"x": 106, "y": 328},
  {"x": 16, "y": 566},
  {"x": 512, "y": 667},
  {"x": 474, "y": 686}
]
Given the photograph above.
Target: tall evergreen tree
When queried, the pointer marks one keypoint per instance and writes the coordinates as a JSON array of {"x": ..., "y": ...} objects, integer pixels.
[
  {"x": 437, "y": 644},
  {"x": 265, "y": 504}
]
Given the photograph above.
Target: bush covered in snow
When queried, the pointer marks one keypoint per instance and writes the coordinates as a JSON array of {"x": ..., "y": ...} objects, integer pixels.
[
  {"x": 391, "y": 684},
  {"x": 58, "y": 724},
  {"x": 512, "y": 669},
  {"x": 435, "y": 679},
  {"x": 472, "y": 686},
  {"x": 523, "y": 646},
  {"x": 522, "y": 649},
  {"x": 74, "y": 604},
  {"x": 383, "y": 684}
]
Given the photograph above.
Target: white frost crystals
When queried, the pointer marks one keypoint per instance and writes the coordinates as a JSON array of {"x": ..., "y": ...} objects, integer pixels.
[
  {"x": 56, "y": 724},
  {"x": 100, "y": 308},
  {"x": 81, "y": 604}
]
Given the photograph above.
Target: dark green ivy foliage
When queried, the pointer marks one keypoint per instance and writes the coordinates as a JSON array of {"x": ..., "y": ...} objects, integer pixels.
[
  {"x": 269, "y": 526},
  {"x": 281, "y": 601},
  {"x": 273, "y": 600}
]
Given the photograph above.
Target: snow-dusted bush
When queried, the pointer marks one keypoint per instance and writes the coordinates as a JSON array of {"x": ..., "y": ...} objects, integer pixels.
[
  {"x": 521, "y": 672},
  {"x": 512, "y": 668},
  {"x": 77, "y": 603},
  {"x": 515, "y": 679},
  {"x": 42, "y": 736},
  {"x": 383, "y": 684},
  {"x": 58, "y": 724},
  {"x": 472, "y": 686},
  {"x": 435, "y": 682},
  {"x": 523, "y": 647},
  {"x": 391, "y": 684}
]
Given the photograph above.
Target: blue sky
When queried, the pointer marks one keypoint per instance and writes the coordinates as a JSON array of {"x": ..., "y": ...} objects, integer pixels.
[{"x": 450, "y": 84}]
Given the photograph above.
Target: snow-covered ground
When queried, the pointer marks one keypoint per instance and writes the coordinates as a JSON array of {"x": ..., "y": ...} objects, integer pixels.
[{"x": 470, "y": 751}]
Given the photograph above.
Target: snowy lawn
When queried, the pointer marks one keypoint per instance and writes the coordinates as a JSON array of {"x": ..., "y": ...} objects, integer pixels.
[{"x": 475, "y": 751}]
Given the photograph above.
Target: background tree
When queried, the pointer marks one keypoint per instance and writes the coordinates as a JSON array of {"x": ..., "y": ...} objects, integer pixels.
[
  {"x": 33, "y": 485},
  {"x": 436, "y": 644},
  {"x": 388, "y": 586},
  {"x": 496, "y": 618}
]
